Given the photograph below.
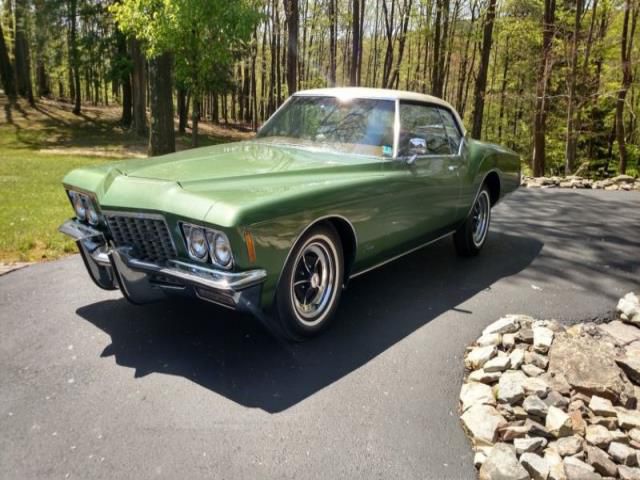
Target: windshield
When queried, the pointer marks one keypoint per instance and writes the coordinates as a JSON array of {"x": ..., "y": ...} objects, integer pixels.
[{"x": 355, "y": 125}]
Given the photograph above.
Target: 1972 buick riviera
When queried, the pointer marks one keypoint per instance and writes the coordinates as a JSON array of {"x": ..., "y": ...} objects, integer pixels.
[{"x": 337, "y": 182}]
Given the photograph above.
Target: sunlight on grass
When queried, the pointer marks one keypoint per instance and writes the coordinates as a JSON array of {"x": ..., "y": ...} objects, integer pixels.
[{"x": 37, "y": 148}]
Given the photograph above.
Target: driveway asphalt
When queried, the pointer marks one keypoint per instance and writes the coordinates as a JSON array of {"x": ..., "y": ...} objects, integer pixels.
[{"x": 92, "y": 387}]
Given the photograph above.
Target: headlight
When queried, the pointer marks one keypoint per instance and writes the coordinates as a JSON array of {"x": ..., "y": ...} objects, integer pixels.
[
  {"x": 197, "y": 243},
  {"x": 79, "y": 204},
  {"x": 85, "y": 207},
  {"x": 205, "y": 244},
  {"x": 220, "y": 250}
]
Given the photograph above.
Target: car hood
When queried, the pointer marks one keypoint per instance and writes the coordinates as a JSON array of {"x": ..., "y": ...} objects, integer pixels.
[
  {"x": 226, "y": 184},
  {"x": 233, "y": 160}
]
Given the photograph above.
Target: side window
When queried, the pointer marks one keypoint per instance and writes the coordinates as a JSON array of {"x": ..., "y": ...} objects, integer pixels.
[
  {"x": 422, "y": 131},
  {"x": 451, "y": 127}
]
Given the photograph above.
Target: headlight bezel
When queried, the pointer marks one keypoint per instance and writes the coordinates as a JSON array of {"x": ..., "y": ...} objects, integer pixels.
[
  {"x": 210, "y": 235},
  {"x": 85, "y": 206}
]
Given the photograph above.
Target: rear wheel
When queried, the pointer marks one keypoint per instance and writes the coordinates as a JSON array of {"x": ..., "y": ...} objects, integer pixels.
[
  {"x": 472, "y": 234},
  {"x": 311, "y": 284}
]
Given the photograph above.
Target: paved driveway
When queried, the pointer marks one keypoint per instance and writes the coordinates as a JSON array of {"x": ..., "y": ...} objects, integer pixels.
[{"x": 91, "y": 387}]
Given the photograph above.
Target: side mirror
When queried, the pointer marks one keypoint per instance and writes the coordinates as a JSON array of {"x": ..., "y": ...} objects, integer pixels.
[{"x": 417, "y": 146}]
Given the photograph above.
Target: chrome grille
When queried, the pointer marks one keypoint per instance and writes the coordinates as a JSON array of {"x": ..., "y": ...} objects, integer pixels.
[{"x": 148, "y": 235}]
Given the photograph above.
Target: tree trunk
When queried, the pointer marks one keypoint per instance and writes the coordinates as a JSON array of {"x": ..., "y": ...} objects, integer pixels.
[
  {"x": 481, "y": 81},
  {"x": 544, "y": 71},
  {"x": 292, "y": 15},
  {"x": 628, "y": 34},
  {"x": 73, "y": 56},
  {"x": 570, "y": 147},
  {"x": 182, "y": 110},
  {"x": 195, "y": 117},
  {"x": 23, "y": 62},
  {"x": 6, "y": 69},
  {"x": 125, "y": 81},
  {"x": 161, "y": 132},
  {"x": 139, "y": 88},
  {"x": 333, "y": 36},
  {"x": 355, "y": 46}
]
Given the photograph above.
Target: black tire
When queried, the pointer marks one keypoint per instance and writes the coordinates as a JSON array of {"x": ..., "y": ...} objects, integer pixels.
[
  {"x": 313, "y": 274},
  {"x": 472, "y": 234}
]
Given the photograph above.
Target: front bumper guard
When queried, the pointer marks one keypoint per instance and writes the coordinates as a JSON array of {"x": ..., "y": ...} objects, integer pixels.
[{"x": 144, "y": 282}]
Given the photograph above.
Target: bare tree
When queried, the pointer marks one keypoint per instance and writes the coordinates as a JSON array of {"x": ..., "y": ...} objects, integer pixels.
[
  {"x": 6, "y": 69},
  {"x": 22, "y": 57},
  {"x": 292, "y": 14},
  {"x": 481, "y": 80},
  {"x": 570, "y": 148}
]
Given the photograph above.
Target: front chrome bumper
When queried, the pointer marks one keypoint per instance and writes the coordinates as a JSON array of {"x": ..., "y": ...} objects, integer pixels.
[{"x": 143, "y": 282}]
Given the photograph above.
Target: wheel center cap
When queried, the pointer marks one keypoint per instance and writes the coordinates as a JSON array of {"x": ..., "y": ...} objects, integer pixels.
[{"x": 315, "y": 280}]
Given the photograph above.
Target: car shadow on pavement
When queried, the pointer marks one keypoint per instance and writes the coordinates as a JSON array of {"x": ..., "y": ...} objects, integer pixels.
[{"x": 234, "y": 356}]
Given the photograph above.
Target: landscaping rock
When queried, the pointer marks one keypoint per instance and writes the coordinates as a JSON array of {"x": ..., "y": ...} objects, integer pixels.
[
  {"x": 508, "y": 341},
  {"x": 623, "y": 454},
  {"x": 578, "y": 470},
  {"x": 558, "y": 423},
  {"x": 510, "y": 386},
  {"x": 568, "y": 445},
  {"x": 489, "y": 339},
  {"x": 628, "y": 473},
  {"x": 502, "y": 464},
  {"x": 525, "y": 335},
  {"x": 630, "y": 364},
  {"x": 536, "y": 386},
  {"x": 478, "y": 459},
  {"x": 476, "y": 394},
  {"x": 484, "y": 377},
  {"x": 542, "y": 339},
  {"x": 477, "y": 357},
  {"x": 537, "y": 466},
  {"x": 508, "y": 324},
  {"x": 599, "y": 460},
  {"x": 629, "y": 308},
  {"x": 621, "y": 332},
  {"x": 589, "y": 367},
  {"x": 516, "y": 358},
  {"x": 534, "y": 406},
  {"x": 628, "y": 418},
  {"x": 533, "y": 358},
  {"x": 578, "y": 425},
  {"x": 554, "y": 399},
  {"x": 602, "y": 406},
  {"x": 497, "y": 364},
  {"x": 482, "y": 422},
  {"x": 529, "y": 444},
  {"x": 598, "y": 436},
  {"x": 532, "y": 370}
]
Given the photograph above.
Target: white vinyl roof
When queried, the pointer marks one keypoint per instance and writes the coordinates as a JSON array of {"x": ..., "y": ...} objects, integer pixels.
[{"x": 380, "y": 93}]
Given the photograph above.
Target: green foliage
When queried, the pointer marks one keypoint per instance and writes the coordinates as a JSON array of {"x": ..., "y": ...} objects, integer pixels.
[{"x": 205, "y": 36}]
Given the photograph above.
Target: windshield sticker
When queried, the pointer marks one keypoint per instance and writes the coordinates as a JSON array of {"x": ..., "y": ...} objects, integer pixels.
[{"x": 387, "y": 150}]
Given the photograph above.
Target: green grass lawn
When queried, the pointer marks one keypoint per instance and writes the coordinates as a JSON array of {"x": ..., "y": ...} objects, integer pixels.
[{"x": 37, "y": 148}]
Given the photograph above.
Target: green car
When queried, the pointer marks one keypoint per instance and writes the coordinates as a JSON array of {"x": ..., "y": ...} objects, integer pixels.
[{"x": 336, "y": 183}]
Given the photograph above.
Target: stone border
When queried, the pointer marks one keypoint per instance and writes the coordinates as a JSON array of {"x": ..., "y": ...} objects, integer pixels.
[
  {"x": 621, "y": 182},
  {"x": 548, "y": 402}
]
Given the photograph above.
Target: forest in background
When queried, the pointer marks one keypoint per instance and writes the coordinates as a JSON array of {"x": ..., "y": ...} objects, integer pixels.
[{"x": 556, "y": 81}]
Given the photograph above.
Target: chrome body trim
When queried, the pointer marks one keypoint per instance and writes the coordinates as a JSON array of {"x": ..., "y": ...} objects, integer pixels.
[
  {"x": 389, "y": 260},
  {"x": 142, "y": 282}
]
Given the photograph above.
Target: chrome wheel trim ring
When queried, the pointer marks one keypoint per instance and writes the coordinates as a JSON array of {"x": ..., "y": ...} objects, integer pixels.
[
  {"x": 480, "y": 218},
  {"x": 314, "y": 281}
]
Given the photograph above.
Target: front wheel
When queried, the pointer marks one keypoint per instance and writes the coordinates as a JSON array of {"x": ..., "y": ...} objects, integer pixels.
[
  {"x": 472, "y": 234},
  {"x": 311, "y": 284}
]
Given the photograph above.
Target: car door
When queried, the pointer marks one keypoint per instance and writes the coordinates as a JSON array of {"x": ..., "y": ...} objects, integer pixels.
[{"x": 428, "y": 143}]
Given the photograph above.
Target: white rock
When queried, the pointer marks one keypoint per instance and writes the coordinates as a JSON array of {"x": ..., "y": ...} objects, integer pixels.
[
  {"x": 529, "y": 444},
  {"x": 497, "y": 364},
  {"x": 478, "y": 459},
  {"x": 602, "y": 406},
  {"x": 629, "y": 306},
  {"x": 623, "y": 454},
  {"x": 558, "y": 423},
  {"x": 489, "y": 339},
  {"x": 598, "y": 435},
  {"x": 628, "y": 418},
  {"x": 569, "y": 445},
  {"x": 485, "y": 377},
  {"x": 536, "y": 386},
  {"x": 473, "y": 393},
  {"x": 508, "y": 340},
  {"x": 576, "y": 469},
  {"x": 542, "y": 339},
  {"x": 517, "y": 358},
  {"x": 482, "y": 422},
  {"x": 534, "y": 406},
  {"x": 502, "y": 464},
  {"x": 531, "y": 370},
  {"x": 540, "y": 361},
  {"x": 537, "y": 466},
  {"x": 477, "y": 357},
  {"x": 510, "y": 389},
  {"x": 628, "y": 473},
  {"x": 508, "y": 324}
]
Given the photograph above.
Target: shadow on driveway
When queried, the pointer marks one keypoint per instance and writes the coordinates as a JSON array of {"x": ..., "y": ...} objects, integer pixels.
[{"x": 232, "y": 354}]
